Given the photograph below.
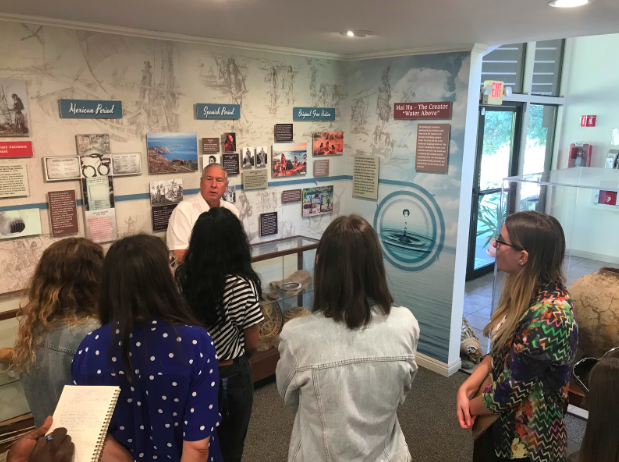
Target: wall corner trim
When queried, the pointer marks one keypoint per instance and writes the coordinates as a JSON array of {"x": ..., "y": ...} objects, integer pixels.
[{"x": 444, "y": 369}]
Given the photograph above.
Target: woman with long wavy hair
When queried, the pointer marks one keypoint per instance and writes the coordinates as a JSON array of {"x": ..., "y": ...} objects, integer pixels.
[
  {"x": 60, "y": 310},
  {"x": 534, "y": 335},
  {"x": 223, "y": 290}
]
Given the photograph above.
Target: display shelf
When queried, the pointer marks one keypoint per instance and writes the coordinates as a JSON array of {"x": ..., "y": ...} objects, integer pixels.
[{"x": 284, "y": 297}]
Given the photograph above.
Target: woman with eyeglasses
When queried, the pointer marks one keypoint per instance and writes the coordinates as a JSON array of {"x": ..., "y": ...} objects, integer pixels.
[{"x": 534, "y": 335}]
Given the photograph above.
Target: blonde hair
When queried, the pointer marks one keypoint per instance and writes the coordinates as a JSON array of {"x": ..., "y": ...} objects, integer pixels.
[
  {"x": 541, "y": 236},
  {"x": 63, "y": 290}
]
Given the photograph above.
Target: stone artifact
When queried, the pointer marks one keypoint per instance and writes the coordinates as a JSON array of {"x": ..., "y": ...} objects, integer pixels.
[
  {"x": 295, "y": 283},
  {"x": 469, "y": 343},
  {"x": 596, "y": 303}
]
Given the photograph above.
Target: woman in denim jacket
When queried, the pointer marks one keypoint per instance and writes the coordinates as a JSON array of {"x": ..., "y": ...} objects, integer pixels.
[
  {"x": 61, "y": 310},
  {"x": 347, "y": 368}
]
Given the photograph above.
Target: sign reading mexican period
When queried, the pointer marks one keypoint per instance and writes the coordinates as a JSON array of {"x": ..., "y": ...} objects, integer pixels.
[
  {"x": 311, "y": 114},
  {"x": 15, "y": 149},
  {"x": 90, "y": 109},
  {"x": 432, "y": 148},
  {"x": 218, "y": 111},
  {"x": 439, "y": 110}
]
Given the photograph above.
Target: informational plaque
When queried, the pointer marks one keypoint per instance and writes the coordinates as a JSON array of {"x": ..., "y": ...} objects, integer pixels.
[
  {"x": 292, "y": 195},
  {"x": 101, "y": 225},
  {"x": 321, "y": 167},
  {"x": 230, "y": 163},
  {"x": 126, "y": 164},
  {"x": 13, "y": 180},
  {"x": 62, "y": 168},
  {"x": 438, "y": 110},
  {"x": 268, "y": 224},
  {"x": 283, "y": 133},
  {"x": 210, "y": 145},
  {"x": 10, "y": 149},
  {"x": 365, "y": 177},
  {"x": 161, "y": 216},
  {"x": 62, "y": 212},
  {"x": 255, "y": 179},
  {"x": 432, "y": 148}
]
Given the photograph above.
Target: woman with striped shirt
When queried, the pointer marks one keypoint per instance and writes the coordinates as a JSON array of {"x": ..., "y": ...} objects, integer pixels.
[{"x": 224, "y": 291}]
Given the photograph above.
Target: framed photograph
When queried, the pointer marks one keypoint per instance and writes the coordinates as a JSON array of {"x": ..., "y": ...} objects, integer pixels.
[
  {"x": 261, "y": 156},
  {"x": 94, "y": 164},
  {"x": 166, "y": 192},
  {"x": 288, "y": 159},
  {"x": 62, "y": 168},
  {"x": 248, "y": 157},
  {"x": 98, "y": 193},
  {"x": 92, "y": 144},
  {"x": 229, "y": 142},
  {"x": 126, "y": 164},
  {"x": 210, "y": 159},
  {"x": 328, "y": 143},
  {"x": 20, "y": 223},
  {"x": 172, "y": 152},
  {"x": 317, "y": 201},
  {"x": 14, "y": 110},
  {"x": 230, "y": 194}
]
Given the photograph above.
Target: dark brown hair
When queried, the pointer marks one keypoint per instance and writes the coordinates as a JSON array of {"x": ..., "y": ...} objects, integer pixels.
[
  {"x": 601, "y": 441},
  {"x": 63, "y": 290},
  {"x": 350, "y": 274},
  {"x": 137, "y": 286}
]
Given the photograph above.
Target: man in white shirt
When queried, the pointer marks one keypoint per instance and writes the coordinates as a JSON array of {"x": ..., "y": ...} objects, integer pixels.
[{"x": 212, "y": 186}]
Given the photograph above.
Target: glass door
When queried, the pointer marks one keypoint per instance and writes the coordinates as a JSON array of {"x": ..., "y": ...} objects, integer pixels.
[{"x": 497, "y": 147}]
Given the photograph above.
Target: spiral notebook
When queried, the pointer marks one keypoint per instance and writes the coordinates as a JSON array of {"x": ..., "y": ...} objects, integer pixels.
[{"x": 86, "y": 413}]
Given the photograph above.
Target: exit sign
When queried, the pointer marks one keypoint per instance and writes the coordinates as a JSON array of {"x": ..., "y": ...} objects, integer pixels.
[{"x": 493, "y": 92}]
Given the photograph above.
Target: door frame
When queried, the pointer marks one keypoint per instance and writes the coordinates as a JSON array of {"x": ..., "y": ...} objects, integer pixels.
[{"x": 514, "y": 166}]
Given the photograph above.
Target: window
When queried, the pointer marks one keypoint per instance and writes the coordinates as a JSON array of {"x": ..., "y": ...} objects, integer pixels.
[
  {"x": 547, "y": 68},
  {"x": 505, "y": 64},
  {"x": 540, "y": 137}
]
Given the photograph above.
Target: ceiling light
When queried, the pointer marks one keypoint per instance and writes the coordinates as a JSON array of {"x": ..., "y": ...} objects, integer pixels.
[
  {"x": 356, "y": 33},
  {"x": 569, "y": 3}
]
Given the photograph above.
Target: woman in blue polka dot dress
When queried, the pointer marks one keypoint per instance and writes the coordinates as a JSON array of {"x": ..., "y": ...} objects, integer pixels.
[{"x": 150, "y": 346}]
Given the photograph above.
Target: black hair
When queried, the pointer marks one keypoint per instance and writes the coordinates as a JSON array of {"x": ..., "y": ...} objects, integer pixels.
[
  {"x": 218, "y": 248},
  {"x": 137, "y": 286}
]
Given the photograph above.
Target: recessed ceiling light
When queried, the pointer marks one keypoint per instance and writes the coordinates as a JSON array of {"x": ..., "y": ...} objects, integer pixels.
[
  {"x": 569, "y": 3},
  {"x": 356, "y": 33}
]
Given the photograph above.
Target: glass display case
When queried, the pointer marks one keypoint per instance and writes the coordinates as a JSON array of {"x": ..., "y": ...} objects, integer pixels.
[{"x": 286, "y": 269}]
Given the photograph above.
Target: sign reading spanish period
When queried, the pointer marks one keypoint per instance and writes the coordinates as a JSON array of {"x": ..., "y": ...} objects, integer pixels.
[
  {"x": 268, "y": 224},
  {"x": 218, "y": 111},
  {"x": 432, "y": 148},
  {"x": 321, "y": 167},
  {"x": 90, "y": 109},
  {"x": 230, "y": 163},
  {"x": 365, "y": 176},
  {"x": 210, "y": 145},
  {"x": 292, "y": 195},
  {"x": 255, "y": 179},
  {"x": 438, "y": 110},
  {"x": 312, "y": 114},
  {"x": 15, "y": 149},
  {"x": 62, "y": 212},
  {"x": 283, "y": 133},
  {"x": 13, "y": 180}
]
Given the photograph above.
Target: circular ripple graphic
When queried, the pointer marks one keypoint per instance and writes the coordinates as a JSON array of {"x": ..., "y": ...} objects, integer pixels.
[{"x": 411, "y": 228}]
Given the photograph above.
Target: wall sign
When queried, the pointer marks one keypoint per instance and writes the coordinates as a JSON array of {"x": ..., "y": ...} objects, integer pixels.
[
  {"x": 210, "y": 145},
  {"x": 90, "y": 109},
  {"x": 365, "y": 176},
  {"x": 62, "y": 168},
  {"x": 268, "y": 224},
  {"x": 10, "y": 149},
  {"x": 230, "y": 163},
  {"x": 432, "y": 148},
  {"x": 13, "y": 180},
  {"x": 218, "y": 111},
  {"x": 493, "y": 91},
  {"x": 321, "y": 167},
  {"x": 292, "y": 195},
  {"x": 255, "y": 179},
  {"x": 438, "y": 110},
  {"x": 283, "y": 133},
  {"x": 311, "y": 114},
  {"x": 588, "y": 120},
  {"x": 62, "y": 212}
]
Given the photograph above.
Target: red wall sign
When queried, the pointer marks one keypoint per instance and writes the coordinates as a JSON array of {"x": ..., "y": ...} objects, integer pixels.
[
  {"x": 15, "y": 149},
  {"x": 438, "y": 110},
  {"x": 588, "y": 120}
]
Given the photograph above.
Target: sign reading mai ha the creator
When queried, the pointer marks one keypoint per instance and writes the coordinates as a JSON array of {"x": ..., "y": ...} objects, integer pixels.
[
  {"x": 218, "y": 111},
  {"x": 90, "y": 109},
  {"x": 314, "y": 113}
]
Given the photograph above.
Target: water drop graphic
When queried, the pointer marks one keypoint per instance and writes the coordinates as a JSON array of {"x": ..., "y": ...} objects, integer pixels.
[{"x": 406, "y": 212}]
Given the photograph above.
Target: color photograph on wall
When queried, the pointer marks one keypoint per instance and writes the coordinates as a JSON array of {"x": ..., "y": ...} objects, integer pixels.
[
  {"x": 317, "y": 201},
  {"x": 14, "y": 110},
  {"x": 20, "y": 223},
  {"x": 172, "y": 152},
  {"x": 328, "y": 143},
  {"x": 289, "y": 159},
  {"x": 229, "y": 142}
]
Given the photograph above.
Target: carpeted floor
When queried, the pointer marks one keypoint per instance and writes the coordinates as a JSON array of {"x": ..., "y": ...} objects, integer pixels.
[{"x": 428, "y": 420}]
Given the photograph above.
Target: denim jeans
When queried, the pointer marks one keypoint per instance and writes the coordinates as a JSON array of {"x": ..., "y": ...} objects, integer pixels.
[{"x": 236, "y": 396}]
